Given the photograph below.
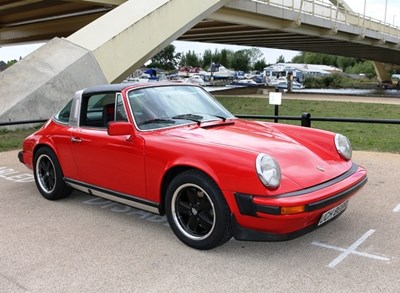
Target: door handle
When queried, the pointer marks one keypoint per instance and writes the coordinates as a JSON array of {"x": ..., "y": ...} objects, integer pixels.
[{"x": 75, "y": 139}]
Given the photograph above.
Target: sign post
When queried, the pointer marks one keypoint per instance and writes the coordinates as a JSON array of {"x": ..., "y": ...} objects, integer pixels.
[{"x": 275, "y": 98}]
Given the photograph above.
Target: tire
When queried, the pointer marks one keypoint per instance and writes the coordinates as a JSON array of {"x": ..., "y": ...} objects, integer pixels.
[
  {"x": 48, "y": 175},
  {"x": 197, "y": 211}
]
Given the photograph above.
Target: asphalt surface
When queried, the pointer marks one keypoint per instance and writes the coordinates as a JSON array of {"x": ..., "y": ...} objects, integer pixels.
[{"x": 85, "y": 244}]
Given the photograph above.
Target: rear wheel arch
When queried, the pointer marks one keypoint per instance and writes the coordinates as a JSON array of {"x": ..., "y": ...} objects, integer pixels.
[
  {"x": 48, "y": 174},
  {"x": 40, "y": 146}
]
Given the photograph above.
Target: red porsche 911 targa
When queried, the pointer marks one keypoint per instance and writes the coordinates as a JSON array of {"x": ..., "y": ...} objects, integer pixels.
[{"x": 172, "y": 149}]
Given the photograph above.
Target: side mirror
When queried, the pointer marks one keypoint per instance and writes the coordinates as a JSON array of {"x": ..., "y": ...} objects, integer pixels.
[{"x": 119, "y": 128}]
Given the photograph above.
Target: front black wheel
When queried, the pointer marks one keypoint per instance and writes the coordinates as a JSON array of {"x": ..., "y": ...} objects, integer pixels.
[
  {"x": 197, "y": 211},
  {"x": 48, "y": 175}
]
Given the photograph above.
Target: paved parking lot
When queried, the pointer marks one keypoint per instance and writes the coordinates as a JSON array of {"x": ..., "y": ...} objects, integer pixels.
[{"x": 86, "y": 244}]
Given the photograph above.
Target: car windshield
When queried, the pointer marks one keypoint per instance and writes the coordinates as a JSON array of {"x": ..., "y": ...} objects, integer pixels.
[{"x": 165, "y": 106}]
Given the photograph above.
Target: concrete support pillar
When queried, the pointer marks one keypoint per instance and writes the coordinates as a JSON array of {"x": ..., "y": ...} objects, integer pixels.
[
  {"x": 38, "y": 85},
  {"x": 129, "y": 35},
  {"x": 381, "y": 73},
  {"x": 107, "y": 50}
]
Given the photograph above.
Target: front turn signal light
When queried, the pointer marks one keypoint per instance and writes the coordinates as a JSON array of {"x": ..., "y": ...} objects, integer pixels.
[{"x": 292, "y": 210}]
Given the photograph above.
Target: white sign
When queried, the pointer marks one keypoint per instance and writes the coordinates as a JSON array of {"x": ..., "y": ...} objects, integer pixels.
[{"x": 275, "y": 98}]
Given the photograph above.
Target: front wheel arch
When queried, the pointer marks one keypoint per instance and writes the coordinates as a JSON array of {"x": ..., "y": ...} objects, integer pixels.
[
  {"x": 197, "y": 210},
  {"x": 167, "y": 178},
  {"x": 171, "y": 174}
]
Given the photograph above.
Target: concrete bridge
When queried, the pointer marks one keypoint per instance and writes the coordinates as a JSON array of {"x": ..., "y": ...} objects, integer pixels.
[{"x": 103, "y": 41}]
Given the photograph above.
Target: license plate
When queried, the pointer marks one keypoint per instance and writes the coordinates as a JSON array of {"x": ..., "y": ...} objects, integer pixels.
[{"x": 332, "y": 213}]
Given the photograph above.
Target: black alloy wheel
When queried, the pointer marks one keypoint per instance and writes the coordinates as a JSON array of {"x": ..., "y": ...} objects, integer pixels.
[
  {"x": 197, "y": 211},
  {"x": 48, "y": 175}
]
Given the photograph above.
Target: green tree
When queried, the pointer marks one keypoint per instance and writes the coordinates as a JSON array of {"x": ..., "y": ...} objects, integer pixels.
[
  {"x": 259, "y": 65},
  {"x": 315, "y": 58},
  {"x": 190, "y": 58},
  {"x": 365, "y": 67},
  {"x": 241, "y": 60},
  {"x": 254, "y": 54},
  {"x": 345, "y": 62},
  {"x": 299, "y": 58},
  {"x": 312, "y": 58},
  {"x": 217, "y": 56},
  {"x": 224, "y": 58},
  {"x": 166, "y": 59},
  {"x": 207, "y": 59},
  {"x": 11, "y": 62},
  {"x": 280, "y": 59},
  {"x": 3, "y": 65}
]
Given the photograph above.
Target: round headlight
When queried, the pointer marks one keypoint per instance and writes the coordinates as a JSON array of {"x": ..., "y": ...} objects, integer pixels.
[
  {"x": 268, "y": 171},
  {"x": 343, "y": 146}
]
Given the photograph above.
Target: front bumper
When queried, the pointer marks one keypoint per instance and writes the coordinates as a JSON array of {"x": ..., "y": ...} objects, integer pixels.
[
  {"x": 246, "y": 234},
  {"x": 260, "y": 218}
]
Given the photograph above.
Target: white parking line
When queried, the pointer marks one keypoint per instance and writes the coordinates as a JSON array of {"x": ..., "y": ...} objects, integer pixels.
[
  {"x": 354, "y": 252},
  {"x": 351, "y": 250},
  {"x": 397, "y": 209}
]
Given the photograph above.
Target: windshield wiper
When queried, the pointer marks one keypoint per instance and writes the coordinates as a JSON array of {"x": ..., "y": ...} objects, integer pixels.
[
  {"x": 191, "y": 117},
  {"x": 157, "y": 120},
  {"x": 218, "y": 116}
]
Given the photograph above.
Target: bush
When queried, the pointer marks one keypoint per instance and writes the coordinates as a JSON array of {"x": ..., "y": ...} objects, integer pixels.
[{"x": 329, "y": 81}]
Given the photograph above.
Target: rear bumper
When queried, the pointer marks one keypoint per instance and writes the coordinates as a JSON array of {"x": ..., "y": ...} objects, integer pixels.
[
  {"x": 260, "y": 218},
  {"x": 21, "y": 157}
]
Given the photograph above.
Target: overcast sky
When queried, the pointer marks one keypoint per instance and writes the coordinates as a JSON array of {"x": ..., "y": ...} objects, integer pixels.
[{"x": 373, "y": 8}]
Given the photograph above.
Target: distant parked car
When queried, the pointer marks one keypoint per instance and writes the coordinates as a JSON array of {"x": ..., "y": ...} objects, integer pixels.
[{"x": 171, "y": 148}]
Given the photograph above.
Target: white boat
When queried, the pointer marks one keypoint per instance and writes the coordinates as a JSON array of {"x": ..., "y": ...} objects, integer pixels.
[
  {"x": 282, "y": 83},
  {"x": 245, "y": 83},
  {"x": 221, "y": 72},
  {"x": 195, "y": 78}
]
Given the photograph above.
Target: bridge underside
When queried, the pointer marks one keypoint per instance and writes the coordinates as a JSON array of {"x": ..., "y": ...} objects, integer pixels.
[
  {"x": 215, "y": 31},
  {"x": 240, "y": 22}
]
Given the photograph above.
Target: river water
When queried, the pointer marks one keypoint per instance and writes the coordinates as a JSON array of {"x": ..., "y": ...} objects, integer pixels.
[{"x": 393, "y": 93}]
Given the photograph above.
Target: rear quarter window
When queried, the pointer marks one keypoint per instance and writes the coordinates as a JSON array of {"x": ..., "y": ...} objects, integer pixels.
[{"x": 63, "y": 115}]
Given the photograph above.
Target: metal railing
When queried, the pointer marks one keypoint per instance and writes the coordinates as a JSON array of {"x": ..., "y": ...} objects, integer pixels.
[
  {"x": 336, "y": 14},
  {"x": 305, "y": 119},
  {"x": 10, "y": 123}
]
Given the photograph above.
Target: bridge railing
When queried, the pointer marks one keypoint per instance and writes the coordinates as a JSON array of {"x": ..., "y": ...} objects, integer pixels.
[{"x": 336, "y": 14}]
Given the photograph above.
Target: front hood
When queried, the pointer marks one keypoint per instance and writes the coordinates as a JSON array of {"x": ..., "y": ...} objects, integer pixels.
[{"x": 306, "y": 164}]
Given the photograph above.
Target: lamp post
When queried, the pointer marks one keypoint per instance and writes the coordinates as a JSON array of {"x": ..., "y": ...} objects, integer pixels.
[
  {"x": 365, "y": 4},
  {"x": 385, "y": 10}
]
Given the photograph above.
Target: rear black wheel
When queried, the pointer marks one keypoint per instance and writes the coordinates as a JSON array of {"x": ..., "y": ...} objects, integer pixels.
[
  {"x": 48, "y": 175},
  {"x": 197, "y": 211}
]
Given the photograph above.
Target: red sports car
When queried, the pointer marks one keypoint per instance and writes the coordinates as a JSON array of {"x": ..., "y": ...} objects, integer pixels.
[{"x": 173, "y": 149}]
